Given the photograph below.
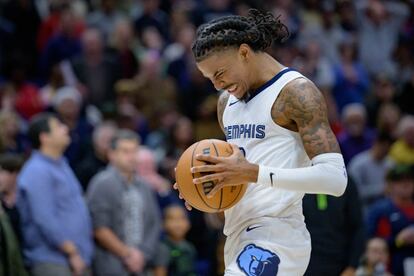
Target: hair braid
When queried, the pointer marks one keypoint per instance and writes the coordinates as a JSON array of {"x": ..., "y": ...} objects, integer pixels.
[{"x": 258, "y": 30}]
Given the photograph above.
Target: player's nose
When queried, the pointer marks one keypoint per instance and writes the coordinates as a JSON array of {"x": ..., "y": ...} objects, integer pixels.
[{"x": 219, "y": 85}]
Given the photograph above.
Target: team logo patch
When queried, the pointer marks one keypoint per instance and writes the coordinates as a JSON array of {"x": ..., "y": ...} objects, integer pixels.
[{"x": 256, "y": 261}]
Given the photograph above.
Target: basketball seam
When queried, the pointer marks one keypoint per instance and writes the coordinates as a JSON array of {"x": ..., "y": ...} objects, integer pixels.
[
  {"x": 192, "y": 164},
  {"x": 221, "y": 190}
]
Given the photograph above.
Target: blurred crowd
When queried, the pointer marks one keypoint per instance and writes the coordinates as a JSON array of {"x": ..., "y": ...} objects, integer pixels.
[{"x": 99, "y": 98}]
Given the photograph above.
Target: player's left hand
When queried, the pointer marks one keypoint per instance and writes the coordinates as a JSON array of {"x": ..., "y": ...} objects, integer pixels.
[{"x": 225, "y": 171}]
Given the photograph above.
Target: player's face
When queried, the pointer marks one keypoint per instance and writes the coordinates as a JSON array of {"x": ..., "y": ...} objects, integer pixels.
[{"x": 227, "y": 70}]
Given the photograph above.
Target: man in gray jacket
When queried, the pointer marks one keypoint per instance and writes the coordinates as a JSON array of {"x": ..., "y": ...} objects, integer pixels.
[{"x": 126, "y": 218}]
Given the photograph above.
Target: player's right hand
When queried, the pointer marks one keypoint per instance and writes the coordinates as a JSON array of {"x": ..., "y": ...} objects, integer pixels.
[{"x": 187, "y": 205}]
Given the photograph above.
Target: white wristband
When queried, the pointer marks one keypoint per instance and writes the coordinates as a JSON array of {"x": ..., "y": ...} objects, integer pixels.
[{"x": 267, "y": 176}]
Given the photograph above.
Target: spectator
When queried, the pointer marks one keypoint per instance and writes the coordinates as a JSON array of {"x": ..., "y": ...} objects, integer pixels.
[
  {"x": 25, "y": 94},
  {"x": 181, "y": 254},
  {"x": 56, "y": 81},
  {"x": 393, "y": 217},
  {"x": 369, "y": 167},
  {"x": 10, "y": 255},
  {"x": 148, "y": 170},
  {"x": 154, "y": 90},
  {"x": 10, "y": 165},
  {"x": 97, "y": 159},
  {"x": 402, "y": 151},
  {"x": 388, "y": 118},
  {"x": 125, "y": 214},
  {"x": 12, "y": 138},
  {"x": 125, "y": 48},
  {"x": 383, "y": 92},
  {"x": 56, "y": 227},
  {"x": 105, "y": 18},
  {"x": 375, "y": 260},
  {"x": 337, "y": 232},
  {"x": 351, "y": 79},
  {"x": 356, "y": 137},
  {"x": 95, "y": 70},
  {"x": 379, "y": 22},
  {"x": 63, "y": 45},
  {"x": 67, "y": 103},
  {"x": 152, "y": 16}
]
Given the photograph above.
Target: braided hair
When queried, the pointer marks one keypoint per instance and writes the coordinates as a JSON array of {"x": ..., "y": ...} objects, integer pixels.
[{"x": 257, "y": 29}]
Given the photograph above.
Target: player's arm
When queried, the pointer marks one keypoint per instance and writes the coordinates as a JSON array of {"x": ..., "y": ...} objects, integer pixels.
[
  {"x": 221, "y": 105},
  {"x": 303, "y": 104}
]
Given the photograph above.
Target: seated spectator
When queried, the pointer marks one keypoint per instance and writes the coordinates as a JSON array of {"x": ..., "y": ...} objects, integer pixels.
[
  {"x": 368, "y": 170},
  {"x": 56, "y": 226},
  {"x": 375, "y": 260},
  {"x": 126, "y": 218},
  {"x": 356, "y": 137},
  {"x": 97, "y": 159},
  {"x": 402, "y": 151},
  {"x": 10, "y": 165},
  {"x": 393, "y": 217},
  {"x": 181, "y": 254}
]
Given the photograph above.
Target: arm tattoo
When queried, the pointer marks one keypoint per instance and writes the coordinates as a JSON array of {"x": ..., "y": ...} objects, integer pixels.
[
  {"x": 301, "y": 102},
  {"x": 221, "y": 105}
]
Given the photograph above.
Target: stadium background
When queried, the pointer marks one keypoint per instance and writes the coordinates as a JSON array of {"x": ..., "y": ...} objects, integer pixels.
[{"x": 129, "y": 63}]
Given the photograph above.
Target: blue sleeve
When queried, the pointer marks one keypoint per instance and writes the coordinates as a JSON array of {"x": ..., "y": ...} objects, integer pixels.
[{"x": 38, "y": 190}]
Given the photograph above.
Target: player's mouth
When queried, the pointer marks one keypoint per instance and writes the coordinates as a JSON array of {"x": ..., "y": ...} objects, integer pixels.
[{"x": 231, "y": 89}]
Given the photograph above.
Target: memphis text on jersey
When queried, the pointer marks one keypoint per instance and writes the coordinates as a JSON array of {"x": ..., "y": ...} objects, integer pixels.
[{"x": 245, "y": 131}]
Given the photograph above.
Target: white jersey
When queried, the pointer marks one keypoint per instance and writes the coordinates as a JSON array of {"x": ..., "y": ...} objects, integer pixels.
[{"x": 250, "y": 126}]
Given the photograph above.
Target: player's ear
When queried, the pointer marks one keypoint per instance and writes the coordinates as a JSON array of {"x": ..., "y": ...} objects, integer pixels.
[{"x": 244, "y": 52}]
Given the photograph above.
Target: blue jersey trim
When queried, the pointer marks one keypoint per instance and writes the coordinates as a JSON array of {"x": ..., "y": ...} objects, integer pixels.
[{"x": 254, "y": 93}]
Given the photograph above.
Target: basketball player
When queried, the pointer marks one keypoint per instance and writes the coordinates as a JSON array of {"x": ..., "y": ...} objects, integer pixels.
[{"x": 276, "y": 121}]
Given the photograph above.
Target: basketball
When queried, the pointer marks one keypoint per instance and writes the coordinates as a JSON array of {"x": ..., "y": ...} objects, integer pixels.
[{"x": 196, "y": 194}]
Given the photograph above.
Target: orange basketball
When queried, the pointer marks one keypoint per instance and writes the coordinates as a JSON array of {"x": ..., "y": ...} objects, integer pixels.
[{"x": 195, "y": 194}]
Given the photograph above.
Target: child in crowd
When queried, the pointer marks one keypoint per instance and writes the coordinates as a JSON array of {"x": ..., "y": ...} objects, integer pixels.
[
  {"x": 375, "y": 260},
  {"x": 181, "y": 255}
]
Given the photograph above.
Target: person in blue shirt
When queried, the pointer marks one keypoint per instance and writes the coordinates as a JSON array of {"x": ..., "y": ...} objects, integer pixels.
[{"x": 56, "y": 226}]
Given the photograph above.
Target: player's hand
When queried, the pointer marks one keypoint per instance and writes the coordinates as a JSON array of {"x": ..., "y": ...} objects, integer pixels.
[
  {"x": 187, "y": 205},
  {"x": 226, "y": 171}
]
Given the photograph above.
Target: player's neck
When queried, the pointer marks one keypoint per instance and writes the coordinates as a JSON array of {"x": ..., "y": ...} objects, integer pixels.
[{"x": 264, "y": 68}]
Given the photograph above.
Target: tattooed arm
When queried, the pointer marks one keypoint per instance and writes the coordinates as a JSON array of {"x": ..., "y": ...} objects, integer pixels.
[
  {"x": 221, "y": 105},
  {"x": 300, "y": 107},
  {"x": 302, "y": 104}
]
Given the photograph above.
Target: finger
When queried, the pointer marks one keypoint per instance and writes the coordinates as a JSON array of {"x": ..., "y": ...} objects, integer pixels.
[
  {"x": 214, "y": 190},
  {"x": 235, "y": 148},
  {"x": 188, "y": 206},
  {"x": 175, "y": 186},
  {"x": 209, "y": 158},
  {"x": 207, "y": 178},
  {"x": 207, "y": 168}
]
